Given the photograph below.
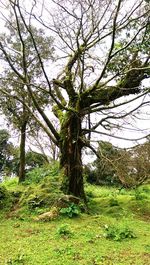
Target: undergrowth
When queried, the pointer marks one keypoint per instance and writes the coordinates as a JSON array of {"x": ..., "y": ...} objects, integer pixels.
[
  {"x": 114, "y": 231},
  {"x": 118, "y": 233}
]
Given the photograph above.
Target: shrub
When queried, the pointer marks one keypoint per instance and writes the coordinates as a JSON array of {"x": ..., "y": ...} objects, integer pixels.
[
  {"x": 71, "y": 211},
  {"x": 118, "y": 234},
  {"x": 113, "y": 202},
  {"x": 10, "y": 182},
  {"x": 37, "y": 197},
  {"x": 64, "y": 230},
  {"x": 36, "y": 175},
  {"x": 3, "y": 193},
  {"x": 139, "y": 195},
  {"x": 5, "y": 198},
  {"x": 146, "y": 189}
]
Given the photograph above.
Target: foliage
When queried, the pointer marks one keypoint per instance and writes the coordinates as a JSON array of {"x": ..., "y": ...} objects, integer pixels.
[
  {"x": 134, "y": 167},
  {"x": 10, "y": 183},
  {"x": 64, "y": 230},
  {"x": 38, "y": 199},
  {"x": 38, "y": 174},
  {"x": 19, "y": 259},
  {"x": 34, "y": 159},
  {"x": 95, "y": 191},
  {"x": 4, "y": 148},
  {"x": 16, "y": 112},
  {"x": 71, "y": 211},
  {"x": 37, "y": 194},
  {"x": 120, "y": 166},
  {"x": 5, "y": 198},
  {"x": 105, "y": 165},
  {"x": 113, "y": 202},
  {"x": 139, "y": 195},
  {"x": 3, "y": 193},
  {"x": 118, "y": 234}
]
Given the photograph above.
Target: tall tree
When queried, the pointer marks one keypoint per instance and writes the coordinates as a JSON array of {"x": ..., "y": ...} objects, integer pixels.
[
  {"x": 103, "y": 47},
  {"x": 14, "y": 110}
]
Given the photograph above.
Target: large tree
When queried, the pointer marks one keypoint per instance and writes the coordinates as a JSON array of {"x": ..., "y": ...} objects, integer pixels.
[
  {"x": 103, "y": 57},
  {"x": 15, "y": 111}
]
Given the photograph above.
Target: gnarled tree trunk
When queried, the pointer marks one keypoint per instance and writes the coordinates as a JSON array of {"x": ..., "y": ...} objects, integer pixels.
[{"x": 70, "y": 161}]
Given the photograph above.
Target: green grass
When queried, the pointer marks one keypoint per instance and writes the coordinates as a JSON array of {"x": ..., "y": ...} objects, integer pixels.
[
  {"x": 82, "y": 240},
  {"x": 39, "y": 243}
]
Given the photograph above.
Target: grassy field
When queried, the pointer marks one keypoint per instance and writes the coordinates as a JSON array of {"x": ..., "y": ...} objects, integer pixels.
[{"x": 116, "y": 231}]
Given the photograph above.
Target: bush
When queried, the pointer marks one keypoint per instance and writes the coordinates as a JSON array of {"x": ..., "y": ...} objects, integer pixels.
[
  {"x": 118, "y": 234},
  {"x": 64, "y": 230},
  {"x": 146, "y": 189},
  {"x": 10, "y": 183},
  {"x": 36, "y": 175},
  {"x": 113, "y": 202},
  {"x": 139, "y": 195},
  {"x": 5, "y": 198},
  {"x": 3, "y": 193},
  {"x": 37, "y": 197},
  {"x": 71, "y": 211}
]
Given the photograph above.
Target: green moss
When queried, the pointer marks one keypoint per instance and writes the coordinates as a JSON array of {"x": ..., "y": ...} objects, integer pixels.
[
  {"x": 58, "y": 113},
  {"x": 35, "y": 198}
]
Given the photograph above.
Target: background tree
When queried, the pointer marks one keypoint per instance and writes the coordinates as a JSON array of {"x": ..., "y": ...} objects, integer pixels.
[
  {"x": 106, "y": 164},
  {"x": 7, "y": 154},
  {"x": 132, "y": 169},
  {"x": 141, "y": 162},
  {"x": 4, "y": 136},
  {"x": 14, "y": 110},
  {"x": 38, "y": 140},
  {"x": 90, "y": 36},
  {"x": 35, "y": 159},
  {"x": 126, "y": 167}
]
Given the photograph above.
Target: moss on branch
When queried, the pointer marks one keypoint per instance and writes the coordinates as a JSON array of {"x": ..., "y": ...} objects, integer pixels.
[{"x": 106, "y": 95}]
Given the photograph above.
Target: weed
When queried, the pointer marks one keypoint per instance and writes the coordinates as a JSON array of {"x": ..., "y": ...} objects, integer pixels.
[
  {"x": 139, "y": 195},
  {"x": 19, "y": 259},
  {"x": 64, "y": 230},
  {"x": 118, "y": 234},
  {"x": 113, "y": 202},
  {"x": 71, "y": 211}
]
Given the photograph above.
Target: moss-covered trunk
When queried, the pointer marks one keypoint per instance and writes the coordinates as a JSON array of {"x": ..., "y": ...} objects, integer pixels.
[
  {"x": 22, "y": 153},
  {"x": 71, "y": 161}
]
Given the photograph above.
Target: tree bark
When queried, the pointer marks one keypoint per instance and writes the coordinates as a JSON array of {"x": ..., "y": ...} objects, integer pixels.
[
  {"x": 71, "y": 152},
  {"x": 22, "y": 153}
]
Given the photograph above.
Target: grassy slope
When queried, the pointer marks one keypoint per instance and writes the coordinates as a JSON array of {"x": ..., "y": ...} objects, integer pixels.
[{"x": 24, "y": 241}]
